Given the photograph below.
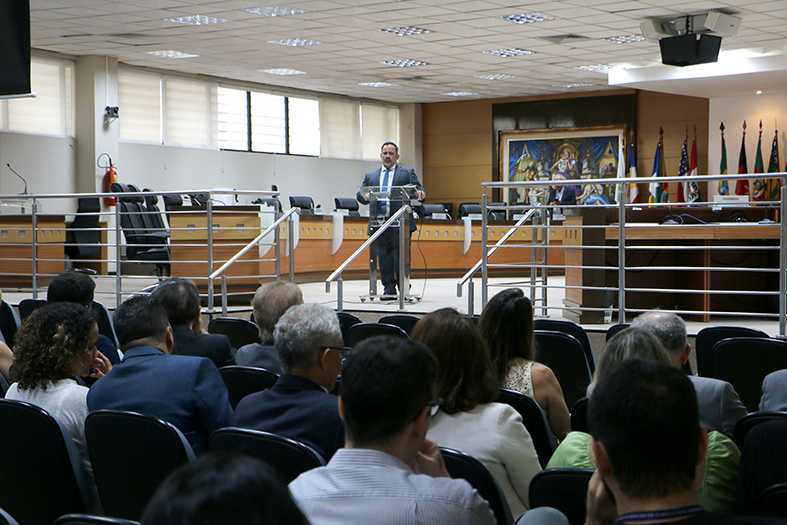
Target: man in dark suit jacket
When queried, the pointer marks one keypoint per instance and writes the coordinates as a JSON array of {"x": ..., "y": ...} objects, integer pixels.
[
  {"x": 562, "y": 194},
  {"x": 183, "y": 390},
  {"x": 387, "y": 245},
  {"x": 180, "y": 299},
  {"x": 309, "y": 343}
]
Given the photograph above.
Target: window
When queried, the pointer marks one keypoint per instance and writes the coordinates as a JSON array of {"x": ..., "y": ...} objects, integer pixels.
[
  {"x": 191, "y": 113},
  {"x": 268, "y": 131},
  {"x": 379, "y": 124},
  {"x": 233, "y": 124},
  {"x": 304, "y": 125},
  {"x": 139, "y": 99},
  {"x": 341, "y": 124}
]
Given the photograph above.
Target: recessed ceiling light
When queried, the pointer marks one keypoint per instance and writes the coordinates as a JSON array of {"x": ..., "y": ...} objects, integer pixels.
[
  {"x": 282, "y": 71},
  {"x": 196, "y": 20},
  {"x": 497, "y": 76},
  {"x": 577, "y": 85},
  {"x": 275, "y": 10},
  {"x": 460, "y": 94},
  {"x": 404, "y": 63},
  {"x": 759, "y": 92},
  {"x": 295, "y": 42},
  {"x": 595, "y": 67},
  {"x": 510, "y": 52},
  {"x": 625, "y": 39},
  {"x": 528, "y": 18},
  {"x": 405, "y": 31},
  {"x": 171, "y": 54},
  {"x": 377, "y": 84}
]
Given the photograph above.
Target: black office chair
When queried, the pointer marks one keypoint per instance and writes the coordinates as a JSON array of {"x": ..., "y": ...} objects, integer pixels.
[
  {"x": 347, "y": 320},
  {"x": 745, "y": 361},
  {"x": 403, "y": 321},
  {"x": 495, "y": 214},
  {"x": 244, "y": 380},
  {"x": 579, "y": 415},
  {"x": 288, "y": 457},
  {"x": 28, "y": 306},
  {"x": 564, "y": 354},
  {"x": 83, "y": 237},
  {"x": 359, "y": 332},
  {"x": 614, "y": 329},
  {"x": 351, "y": 205},
  {"x": 533, "y": 419},
  {"x": 773, "y": 501},
  {"x": 169, "y": 202},
  {"x": 305, "y": 203},
  {"x": 748, "y": 422},
  {"x": 564, "y": 489},
  {"x": 131, "y": 455},
  {"x": 570, "y": 328},
  {"x": 239, "y": 331},
  {"x": 430, "y": 209},
  {"x": 90, "y": 519},
  {"x": 43, "y": 476},
  {"x": 467, "y": 208},
  {"x": 763, "y": 463},
  {"x": 153, "y": 212},
  {"x": 707, "y": 339},
  {"x": 3, "y": 386},
  {"x": 106, "y": 326},
  {"x": 9, "y": 323},
  {"x": 7, "y": 519},
  {"x": 143, "y": 244},
  {"x": 461, "y": 465}
]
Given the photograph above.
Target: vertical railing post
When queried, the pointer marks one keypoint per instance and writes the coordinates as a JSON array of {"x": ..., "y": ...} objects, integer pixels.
[
  {"x": 224, "y": 294},
  {"x": 404, "y": 258},
  {"x": 622, "y": 258},
  {"x": 34, "y": 226},
  {"x": 484, "y": 258},
  {"x": 118, "y": 272},
  {"x": 210, "y": 255},
  {"x": 470, "y": 297},
  {"x": 290, "y": 249},
  {"x": 545, "y": 223},
  {"x": 782, "y": 259},
  {"x": 340, "y": 294},
  {"x": 277, "y": 240}
]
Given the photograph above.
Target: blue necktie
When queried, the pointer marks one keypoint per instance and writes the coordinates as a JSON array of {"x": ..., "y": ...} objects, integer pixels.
[{"x": 383, "y": 205}]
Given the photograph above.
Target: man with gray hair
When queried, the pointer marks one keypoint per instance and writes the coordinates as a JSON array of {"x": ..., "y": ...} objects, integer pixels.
[
  {"x": 719, "y": 403},
  {"x": 309, "y": 344}
]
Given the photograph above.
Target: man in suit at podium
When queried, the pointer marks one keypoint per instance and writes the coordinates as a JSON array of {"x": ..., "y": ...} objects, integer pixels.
[{"x": 389, "y": 176}]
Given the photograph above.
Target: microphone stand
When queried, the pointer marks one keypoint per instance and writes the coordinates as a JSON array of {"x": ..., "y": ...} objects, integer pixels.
[{"x": 23, "y": 180}]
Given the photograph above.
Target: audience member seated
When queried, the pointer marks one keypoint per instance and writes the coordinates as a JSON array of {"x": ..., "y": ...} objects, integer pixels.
[
  {"x": 79, "y": 288},
  {"x": 270, "y": 302},
  {"x": 55, "y": 343},
  {"x": 506, "y": 324},
  {"x": 717, "y": 483},
  {"x": 186, "y": 391},
  {"x": 649, "y": 448},
  {"x": 309, "y": 345},
  {"x": 221, "y": 489},
  {"x": 180, "y": 299},
  {"x": 468, "y": 419},
  {"x": 774, "y": 391},
  {"x": 388, "y": 473},
  {"x": 720, "y": 406}
]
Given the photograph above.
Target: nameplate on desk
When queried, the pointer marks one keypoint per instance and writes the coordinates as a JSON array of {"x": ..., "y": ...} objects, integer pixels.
[
  {"x": 442, "y": 216},
  {"x": 474, "y": 216},
  {"x": 739, "y": 199}
]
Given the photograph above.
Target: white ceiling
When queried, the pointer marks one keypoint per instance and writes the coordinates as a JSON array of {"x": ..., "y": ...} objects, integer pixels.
[{"x": 353, "y": 46}]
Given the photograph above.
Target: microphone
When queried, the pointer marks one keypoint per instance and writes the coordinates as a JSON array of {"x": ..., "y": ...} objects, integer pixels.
[{"x": 18, "y": 175}]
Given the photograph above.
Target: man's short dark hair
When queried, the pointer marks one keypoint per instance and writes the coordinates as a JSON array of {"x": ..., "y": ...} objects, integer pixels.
[
  {"x": 645, "y": 414},
  {"x": 140, "y": 317},
  {"x": 386, "y": 382},
  {"x": 180, "y": 299},
  {"x": 71, "y": 287},
  {"x": 390, "y": 144}
]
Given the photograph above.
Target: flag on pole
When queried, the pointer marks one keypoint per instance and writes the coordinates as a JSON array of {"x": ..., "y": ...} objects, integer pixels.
[
  {"x": 693, "y": 189},
  {"x": 656, "y": 189},
  {"x": 683, "y": 170},
  {"x": 633, "y": 187},
  {"x": 758, "y": 189},
  {"x": 663, "y": 173},
  {"x": 773, "y": 167},
  {"x": 621, "y": 171},
  {"x": 724, "y": 186},
  {"x": 742, "y": 187}
]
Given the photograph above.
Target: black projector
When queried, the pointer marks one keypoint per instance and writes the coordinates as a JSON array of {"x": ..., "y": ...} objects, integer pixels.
[{"x": 688, "y": 50}]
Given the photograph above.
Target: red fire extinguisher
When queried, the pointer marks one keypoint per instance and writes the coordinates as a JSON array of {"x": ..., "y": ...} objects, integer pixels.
[{"x": 110, "y": 176}]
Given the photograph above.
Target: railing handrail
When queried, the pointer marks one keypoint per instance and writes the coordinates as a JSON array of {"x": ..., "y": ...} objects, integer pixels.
[
  {"x": 387, "y": 224},
  {"x": 494, "y": 249},
  {"x": 251, "y": 244},
  {"x": 637, "y": 180},
  {"x": 112, "y": 195}
]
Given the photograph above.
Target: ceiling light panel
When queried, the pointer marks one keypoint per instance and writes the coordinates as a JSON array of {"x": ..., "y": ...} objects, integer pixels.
[
  {"x": 404, "y": 63},
  {"x": 377, "y": 84},
  {"x": 282, "y": 71},
  {"x": 405, "y": 31},
  {"x": 528, "y": 18},
  {"x": 497, "y": 76},
  {"x": 595, "y": 67},
  {"x": 275, "y": 10},
  {"x": 196, "y": 20},
  {"x": 625, "y": 39},
  {"x": 510, "y": 52},
  {"x": 460, "y": 94},
  {"x": 171, "y": 54},
  {"x": 295, "y": 42}
]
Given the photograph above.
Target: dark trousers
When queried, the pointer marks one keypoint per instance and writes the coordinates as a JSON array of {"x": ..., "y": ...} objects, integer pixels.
[{"x": 387, "y": 249}]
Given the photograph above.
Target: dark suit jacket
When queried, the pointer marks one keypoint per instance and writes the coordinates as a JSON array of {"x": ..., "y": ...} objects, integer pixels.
[
  {"x": 183, "y": 390},
  {"x": 259, "y": 356},
  {"x": 569, "y": 195},
  {"x": 215, "y": 347},
  {"x": 296, "y": 408},
  {"x": 401, "y": 177}
]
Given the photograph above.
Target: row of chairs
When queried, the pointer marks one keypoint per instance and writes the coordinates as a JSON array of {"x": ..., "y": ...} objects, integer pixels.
[{"x": 147, "y": 236}]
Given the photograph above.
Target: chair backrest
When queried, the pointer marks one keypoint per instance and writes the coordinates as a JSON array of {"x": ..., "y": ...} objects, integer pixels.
[
  {"x": 43, "y": 476},
  {"x": 564, "y": 354},
  {"x": 90, "y": 519},
  {"x": 7, "y": 519},
  {"x": 564, "y": 489},
  {"x": 403, "y": 321},
  {"x": 533, "y": 418},
  {"x": 579, "y": 415},
  {"x": 570, "y": 328},
  {"x": 288, "y": 457},
  {"x": 461, "y": 465},
  {"x": 153, "y": 211},
  {"x": 350, "y": 205},
  {"x": 430, "y": 209},
  {"x": 615, "y": 328},
  {"x": 467, "y": 208},
  {"x": 361, "y": 331},
  {"x": 773, "y": 501},
  {"x": 3, "y": 386},
  {"x": 131, "y": 455},
  {"x": 9, "y": 322},
  {"x": 244, "y": 380},
  {"x": 85, "y": 235},
  {"x": 707, "y": 339},
  {"x": 347, "y": 320},
  {"x": 746, "y": 423},
  {"x": 496, "y": 215},
  {"x": 304, "y": 202},
  {"x": 763, "y": 462},
  {"x": 239, "y": 331},
  {"x": 745, "y": 361},
  {"x": 28, "y": 306},
  {"x": 106, "y": 326}
]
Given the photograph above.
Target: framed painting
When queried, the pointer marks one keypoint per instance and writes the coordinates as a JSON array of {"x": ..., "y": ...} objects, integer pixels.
[{"x": 574, "y": 153}]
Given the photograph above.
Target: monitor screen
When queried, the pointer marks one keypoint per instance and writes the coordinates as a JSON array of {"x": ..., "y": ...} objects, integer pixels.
[{"x": 14, "y": 47}]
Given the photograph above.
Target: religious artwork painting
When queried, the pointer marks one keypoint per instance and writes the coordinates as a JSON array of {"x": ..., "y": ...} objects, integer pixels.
[{"x": 580, "y": 153}]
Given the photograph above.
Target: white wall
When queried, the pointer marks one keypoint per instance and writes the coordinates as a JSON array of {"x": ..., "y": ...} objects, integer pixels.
[{"x": 772, "y": 109}]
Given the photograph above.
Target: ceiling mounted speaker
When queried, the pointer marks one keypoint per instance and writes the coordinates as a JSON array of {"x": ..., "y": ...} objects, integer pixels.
[
  {"x": 653, "y": 29},
  {"x": 721, "y": 24},
  {"x": 689, "y": 50}
]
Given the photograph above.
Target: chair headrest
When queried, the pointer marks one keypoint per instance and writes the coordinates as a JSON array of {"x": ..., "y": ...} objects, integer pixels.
[
  {"x": 434, "y": 208},
  {"x": 150, "y": 200},
  {"x": 345, "y": 203},
  {"x": 88, "y": 205},
  {"x": 172, "y": 200},
  {"x": 303, "y": 202}
]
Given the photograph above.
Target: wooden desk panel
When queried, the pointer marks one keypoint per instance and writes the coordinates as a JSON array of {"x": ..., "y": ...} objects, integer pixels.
[{"x": 16, "y": 247}]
